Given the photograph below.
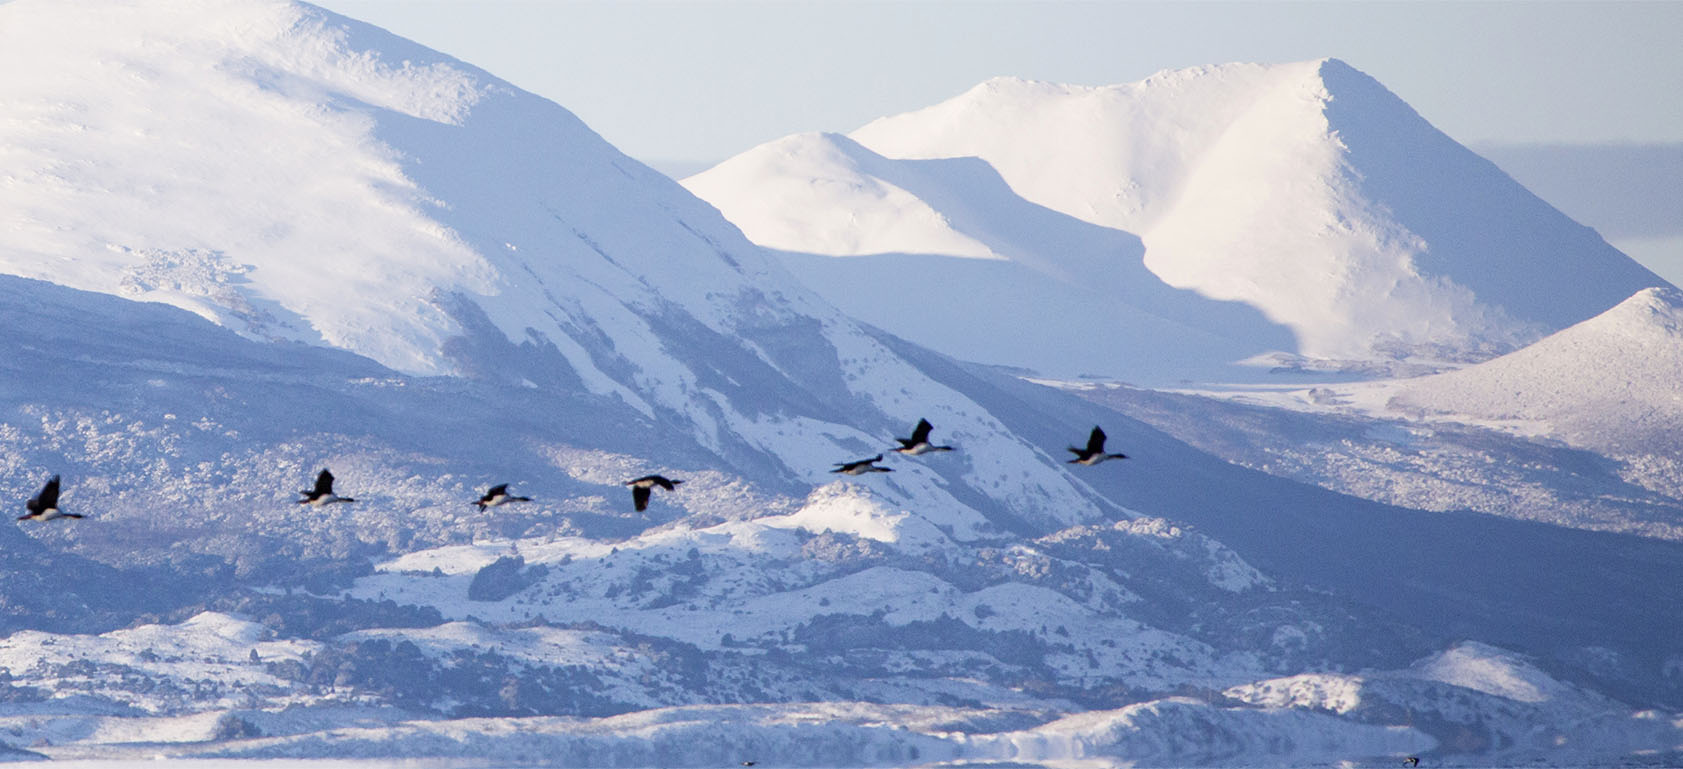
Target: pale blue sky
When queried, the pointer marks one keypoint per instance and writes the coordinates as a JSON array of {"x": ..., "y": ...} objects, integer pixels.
[{"x": 700, "y": 81}]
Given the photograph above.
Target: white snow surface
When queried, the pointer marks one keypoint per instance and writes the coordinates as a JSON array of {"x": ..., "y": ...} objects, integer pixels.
[
  {"x": 1487, "y": 669},
  {"x": 944, "y": 253},
  {"x": 706, "y": 586},
  {"x": 1610, "y": 383},
  {"x": 1309, "y": 719},
  {"x": 294, "y": 174},
  {"x": 1305, "y": 190},
  {"x": 207, "y": 647},
  {"x": 1607, "y": 385},
  {"x": 853, "y": 509}
]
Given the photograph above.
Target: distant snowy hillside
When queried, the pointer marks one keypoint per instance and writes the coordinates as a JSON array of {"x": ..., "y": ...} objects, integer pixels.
[
  {"x": 943, "y": 253},
  {"x": 1579, "y": 429},
  {"x": 1307, "y": 191},
  {"x": 1613, "y": 383}
]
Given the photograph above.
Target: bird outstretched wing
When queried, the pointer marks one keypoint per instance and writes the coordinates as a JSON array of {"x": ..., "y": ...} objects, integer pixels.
[
  {"x": 324, "y": 484},
  {"x": 47, "y": 499},
  {"x": 1095, "y": 441},
  {"x": 921, "y": 434}
]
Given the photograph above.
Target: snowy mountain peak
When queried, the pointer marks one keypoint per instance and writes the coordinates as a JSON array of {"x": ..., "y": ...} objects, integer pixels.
[
  {"x": 297, "y": 175},
  {"x": 1307, "y": 191},
  {"x": 1651, "y": 310},
  {"x": 844, "y": 202},
  {"x": 935, "y": 234},
  {"x": 1608, "y": 383}
]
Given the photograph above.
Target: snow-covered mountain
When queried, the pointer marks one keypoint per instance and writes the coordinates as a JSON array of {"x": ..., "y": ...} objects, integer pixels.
[
  {"x": 255, "y": 239},
  {"x": 1579, "y": 429},
  {"x": 944, "y": 253},
  {"x": 293, "y": 175},
  {"x": 1307, "y": 191},
  {"x": 1610, "y": 383}
]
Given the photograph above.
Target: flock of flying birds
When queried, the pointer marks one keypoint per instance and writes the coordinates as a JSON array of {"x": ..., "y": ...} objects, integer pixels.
[{"x": 44, "y": 505}]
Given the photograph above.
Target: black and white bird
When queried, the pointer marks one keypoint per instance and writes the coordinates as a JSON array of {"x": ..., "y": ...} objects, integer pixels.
[
  {"x": 498, "y": 495},
  {"x": 642, "y": 488},
  {"x": 862, "y": 466},
  {"x": 322, "y": 495},
  {"x": 919, "y": 442},
  {"x": 1411, "y": 761},
  {"x": 1094, "y": 453},
  {"x": 44, "y": 505}
]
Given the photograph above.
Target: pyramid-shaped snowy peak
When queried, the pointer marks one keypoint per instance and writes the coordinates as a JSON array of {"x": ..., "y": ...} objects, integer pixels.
[{"x": 1307, "y": 191}]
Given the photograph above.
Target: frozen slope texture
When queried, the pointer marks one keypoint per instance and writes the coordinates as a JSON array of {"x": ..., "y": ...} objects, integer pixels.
[
  {"x": 1306, "y": 190},
  {"x": 1610, "y": 383},
  {"x": 295, "y": 175},
  {"x": 944, "y": 253}
]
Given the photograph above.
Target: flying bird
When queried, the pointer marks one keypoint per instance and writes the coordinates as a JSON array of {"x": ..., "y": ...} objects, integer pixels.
[
  {"x": 322, "y": 495},
  {"x": 498, "y": 495},
  {"x": 1094, "y": 453},
  {"x": 642, "y": 488},
  {"x": 44, "y": 505},
  {"x": 862, "y": 466},
  {"x": 919, "y": 442}
]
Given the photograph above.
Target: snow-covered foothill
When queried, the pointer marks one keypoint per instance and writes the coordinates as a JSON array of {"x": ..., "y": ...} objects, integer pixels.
[
  {"x": 712, "y": 588},
  {"x": 207, "y": 647},
  {"x": 1609, "y": 383},
  {"x": 1473, "y": 700},
  {"x": 1184, "y": 731},
  {"x": 850, "y": 508}
]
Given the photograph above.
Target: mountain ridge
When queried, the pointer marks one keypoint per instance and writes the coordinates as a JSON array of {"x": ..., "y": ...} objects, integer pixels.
[
  {"x": 1307, "y": 191},
  {"x": 954, "y": 233}
]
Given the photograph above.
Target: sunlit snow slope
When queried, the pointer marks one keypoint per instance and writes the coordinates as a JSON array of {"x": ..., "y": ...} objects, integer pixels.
[
  {"x": 944, "y": 253},
  {"x": 1613, "y": 383},
  {"x": 1305, "y": 190}
]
